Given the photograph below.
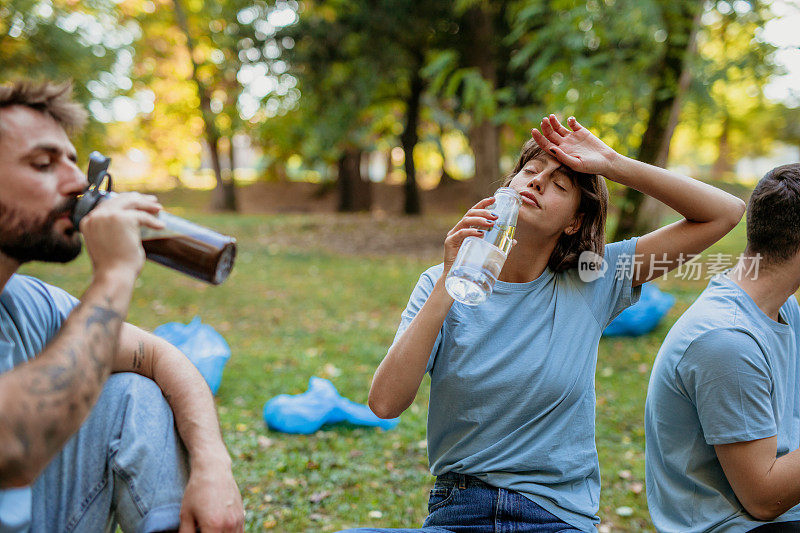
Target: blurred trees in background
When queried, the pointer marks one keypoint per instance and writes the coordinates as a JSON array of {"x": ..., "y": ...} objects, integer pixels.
[
  {"x": 54, "y": 40},
  {"x": 328, "y": 89}
]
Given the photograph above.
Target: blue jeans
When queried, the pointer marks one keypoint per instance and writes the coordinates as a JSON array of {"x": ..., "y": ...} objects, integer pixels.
[
  {"x": 465, "y": 504},
  {"x": 125, "y": 465}
]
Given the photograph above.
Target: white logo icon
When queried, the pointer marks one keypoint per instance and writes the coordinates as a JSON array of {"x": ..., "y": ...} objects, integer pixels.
[{"x": 591, "y": 266}]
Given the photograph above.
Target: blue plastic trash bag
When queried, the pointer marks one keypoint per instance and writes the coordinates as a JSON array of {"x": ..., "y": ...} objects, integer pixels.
[
  {"x": 321, "y": 404},
  {"x": 643, "y": 316},
  {"x": 201, "y": 343}
]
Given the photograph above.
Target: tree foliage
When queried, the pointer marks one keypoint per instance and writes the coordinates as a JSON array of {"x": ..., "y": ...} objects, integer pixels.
[
  {"x": 321, "y": 83},
  {"x": 55, "y": 41}
]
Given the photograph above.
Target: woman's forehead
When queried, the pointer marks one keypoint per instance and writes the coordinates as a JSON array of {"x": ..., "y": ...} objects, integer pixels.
[
  {"x": 547, "y": 159},
  {"x": 543, "y": 157}
]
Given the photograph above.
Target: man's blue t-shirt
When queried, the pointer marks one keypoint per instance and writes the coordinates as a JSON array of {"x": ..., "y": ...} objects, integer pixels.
[
  {"x": 31, "y": 313},
  {"x": 726, "y": 373},
  {"x": 512, "y": 384}
]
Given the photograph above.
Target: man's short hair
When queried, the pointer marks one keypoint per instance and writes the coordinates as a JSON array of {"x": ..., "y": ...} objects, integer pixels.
[
  {"x": 52, "y": 99},
  {"x": 773, "y": 215}
]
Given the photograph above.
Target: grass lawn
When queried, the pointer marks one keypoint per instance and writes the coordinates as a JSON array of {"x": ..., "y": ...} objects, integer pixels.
[{"x": 293, "y": 308}]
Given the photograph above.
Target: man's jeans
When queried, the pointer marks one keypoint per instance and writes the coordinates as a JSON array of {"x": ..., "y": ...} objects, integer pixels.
[
  {"x": 465, "y": 504},
  {"x": 125, "y": 465}
]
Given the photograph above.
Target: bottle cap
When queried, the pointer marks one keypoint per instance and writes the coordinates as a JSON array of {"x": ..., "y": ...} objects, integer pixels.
[{"x": 96, "y": 174}]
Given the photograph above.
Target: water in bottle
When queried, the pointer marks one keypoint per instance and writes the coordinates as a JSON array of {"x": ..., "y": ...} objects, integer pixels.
[{"x": 479, "y": 260}]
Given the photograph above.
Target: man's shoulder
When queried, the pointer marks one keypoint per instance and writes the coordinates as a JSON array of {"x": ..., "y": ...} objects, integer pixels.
[
  {"x": 714, "y": 317},
  {"x": 26, "y": 292},
  {"x": 723, "y": 342},
  {"x": 22, "y": 287},
  {"x": 790, "y": 311},
  {"x": 719, "y": 307},
  {"x": 709, "y": 344}
]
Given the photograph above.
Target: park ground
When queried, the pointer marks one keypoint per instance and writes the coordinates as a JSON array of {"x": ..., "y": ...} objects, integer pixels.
[{"x": 320, "y": 294}]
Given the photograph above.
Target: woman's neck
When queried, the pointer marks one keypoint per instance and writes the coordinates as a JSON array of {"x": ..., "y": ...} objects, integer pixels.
[{"x": 527, "y": 259}]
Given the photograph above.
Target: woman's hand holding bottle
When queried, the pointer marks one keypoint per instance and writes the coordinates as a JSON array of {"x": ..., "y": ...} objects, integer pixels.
[{"x": 477, "y": 220}]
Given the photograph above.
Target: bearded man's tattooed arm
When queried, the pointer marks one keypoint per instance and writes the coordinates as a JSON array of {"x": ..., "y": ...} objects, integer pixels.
[{"x": 43, "y": 402}]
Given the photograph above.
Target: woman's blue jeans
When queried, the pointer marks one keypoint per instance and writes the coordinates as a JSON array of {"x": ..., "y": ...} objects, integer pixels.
[
  {"x": 125, "y": 465},
  {"x": 465, "y": 504}
]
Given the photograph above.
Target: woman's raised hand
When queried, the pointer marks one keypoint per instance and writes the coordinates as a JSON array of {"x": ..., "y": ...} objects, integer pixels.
[
  {"x": 579, "y": 149},
  {"x": 477, "y": 220}
]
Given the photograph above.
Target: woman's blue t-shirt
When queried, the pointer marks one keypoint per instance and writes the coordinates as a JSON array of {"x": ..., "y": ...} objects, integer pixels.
[{"x": 512, "y": 383}]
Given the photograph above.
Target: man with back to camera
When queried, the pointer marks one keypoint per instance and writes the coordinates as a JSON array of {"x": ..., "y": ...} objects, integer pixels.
[
  {"x": 722, "y": 416},
  {"x": 79, "y": 450}
]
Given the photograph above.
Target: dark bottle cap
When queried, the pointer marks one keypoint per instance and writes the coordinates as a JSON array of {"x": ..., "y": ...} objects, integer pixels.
[{"x": 96, "y": 174}]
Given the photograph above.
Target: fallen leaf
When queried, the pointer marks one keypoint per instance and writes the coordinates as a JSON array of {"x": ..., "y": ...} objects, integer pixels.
[
  {"x": 319, "y": 496},
  {"x": 331, "y": 370}
]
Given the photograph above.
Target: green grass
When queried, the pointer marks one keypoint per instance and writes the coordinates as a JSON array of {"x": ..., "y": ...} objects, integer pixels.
[{"x": 290, "y": 313}]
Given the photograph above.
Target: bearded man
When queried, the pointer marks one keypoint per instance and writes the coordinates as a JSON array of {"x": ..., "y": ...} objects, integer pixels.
[{"x": 79, "y": 450}]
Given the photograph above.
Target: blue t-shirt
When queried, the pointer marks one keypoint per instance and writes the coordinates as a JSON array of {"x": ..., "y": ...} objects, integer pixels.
[
  {"x": 726, "y": 373},
  {"x": 31, "y": 313},
  {"x": 512, "y": 384}
]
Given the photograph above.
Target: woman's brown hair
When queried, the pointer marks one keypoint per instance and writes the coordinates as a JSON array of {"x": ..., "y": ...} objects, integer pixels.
[{"x": 593, "y": 206}]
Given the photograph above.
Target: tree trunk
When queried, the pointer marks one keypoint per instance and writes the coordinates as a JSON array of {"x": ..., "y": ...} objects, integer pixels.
[
  {"x": 484, "y": 136},
  {"x": 723, "y": 163},
  {"x": 217, "y": 195},
  {"x": 229, "y": 184},
  {"x": 445, "y": 179},
  {"x": 389, "y": 166},
  {"x": 638, "y": 217},
  {"x": 224, "y": 198},
  {"x": 409, "y": 140},
  {"x": 485, "y": 142},
  {"x": 355, "y": 193}
]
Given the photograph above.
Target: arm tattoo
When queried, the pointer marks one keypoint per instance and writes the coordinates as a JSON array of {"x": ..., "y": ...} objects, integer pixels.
[
  {"x": 57, "y": 375},
  {"x": 138, "y": 356},
  {"x": 60, "y": 386},
  {"x": 104, "y": 316}
]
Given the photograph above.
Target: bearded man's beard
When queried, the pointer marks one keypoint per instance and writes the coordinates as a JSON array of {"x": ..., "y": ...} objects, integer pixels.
[{"x": 28, "y": 239}]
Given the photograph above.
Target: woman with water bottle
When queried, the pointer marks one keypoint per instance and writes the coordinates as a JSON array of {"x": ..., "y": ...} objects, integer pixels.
[{"x": 512, "y": 402}]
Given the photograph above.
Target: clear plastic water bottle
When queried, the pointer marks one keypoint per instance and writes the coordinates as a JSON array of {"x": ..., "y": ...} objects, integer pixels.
[{"x": 479, "y": 260}]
